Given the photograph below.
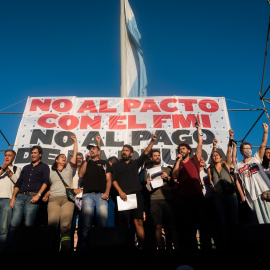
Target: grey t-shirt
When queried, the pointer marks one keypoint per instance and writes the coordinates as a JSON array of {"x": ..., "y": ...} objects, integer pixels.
[
  {"x": 57, "y": 186},
  {"x": 164, "y": 192}
]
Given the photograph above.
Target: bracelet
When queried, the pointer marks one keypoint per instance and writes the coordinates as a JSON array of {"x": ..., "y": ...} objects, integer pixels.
[{"x": 200, "y": 132}]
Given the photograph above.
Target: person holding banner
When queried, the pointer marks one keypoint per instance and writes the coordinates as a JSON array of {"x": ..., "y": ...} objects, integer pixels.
[
  {"x": 189, "y": 198},
  {"x": 161, "y": 200},
  {"x": 60, "y": 208},
  {"x": 126, "y": 180}
]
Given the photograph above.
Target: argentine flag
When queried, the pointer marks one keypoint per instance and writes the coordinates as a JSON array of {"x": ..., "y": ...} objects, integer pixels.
[{"x": 136, "y": 80}]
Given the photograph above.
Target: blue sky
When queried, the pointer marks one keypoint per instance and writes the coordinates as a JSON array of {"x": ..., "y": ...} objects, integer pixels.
[{"x": 191, "y": 48}]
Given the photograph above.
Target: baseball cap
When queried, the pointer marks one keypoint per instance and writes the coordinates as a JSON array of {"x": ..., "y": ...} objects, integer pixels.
[{"x": 89, "y": 146}]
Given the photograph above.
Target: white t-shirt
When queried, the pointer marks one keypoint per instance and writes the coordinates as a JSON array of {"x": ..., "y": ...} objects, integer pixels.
[
  {"x": 254, "y": 179},
  {"x": 7, "y": 183},
  {"x": 207, "y": 192},
  {"x": 267, "y": 171},
  {"x": 76, "y": 183}
]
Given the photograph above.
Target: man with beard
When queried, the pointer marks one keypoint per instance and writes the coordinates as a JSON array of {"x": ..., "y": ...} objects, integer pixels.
[
  {"x": 189, "y": 198},
  {"x": 96, "y": 174},
  {"x": 126, "y": 180},
  {"x": 161, "y": 203}
]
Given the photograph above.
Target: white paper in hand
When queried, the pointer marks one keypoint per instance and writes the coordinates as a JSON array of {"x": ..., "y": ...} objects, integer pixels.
[
  {"x": 130, "y": 203},
  {"x": 154, "y": 174}
]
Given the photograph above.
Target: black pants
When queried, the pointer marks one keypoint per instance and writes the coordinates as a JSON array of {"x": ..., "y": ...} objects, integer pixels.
[{"x": 191, "y": 216}]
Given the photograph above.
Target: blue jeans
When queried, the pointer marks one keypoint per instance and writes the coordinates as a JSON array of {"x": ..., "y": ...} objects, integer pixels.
[
  {"x": 5, "y": 216},
  {"x": 111, "y": 214},
  {"x": 22, "y": 208},
  {"x": 90, "y": 203}
]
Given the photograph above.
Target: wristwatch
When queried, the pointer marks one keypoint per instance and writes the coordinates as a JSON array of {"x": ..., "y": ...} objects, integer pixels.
[
  {"x": 200, "y": 132},
  {"x": 39, "y": 195}
]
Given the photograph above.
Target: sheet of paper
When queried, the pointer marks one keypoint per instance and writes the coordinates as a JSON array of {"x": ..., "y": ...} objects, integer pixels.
[
  {"x": 154, "y": 173},
  {"x": 130, "y": 203}
]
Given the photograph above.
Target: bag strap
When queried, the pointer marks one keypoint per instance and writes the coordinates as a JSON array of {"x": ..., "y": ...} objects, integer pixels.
[
  {"x": 65, "y": 184},
  {"x": 198, "y": 172},
  {"x": 223, "y": 165},
  {"x": 14, "y": 171},
  {"x": 226, "y": 169},
  {"x": 218, "y": 173}
]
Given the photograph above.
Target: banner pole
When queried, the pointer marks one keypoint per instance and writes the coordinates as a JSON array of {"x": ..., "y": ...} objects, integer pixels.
[{"x": 123, "y": 90}]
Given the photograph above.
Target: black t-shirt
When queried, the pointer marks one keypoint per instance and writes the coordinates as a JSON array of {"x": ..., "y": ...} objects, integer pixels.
[
  {"x": 94, "y": 179},
  {"x": 127, "y": 174}
]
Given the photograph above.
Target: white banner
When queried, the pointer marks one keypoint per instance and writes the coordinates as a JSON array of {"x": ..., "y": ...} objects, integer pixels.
[{"x": 49, "y": 122}]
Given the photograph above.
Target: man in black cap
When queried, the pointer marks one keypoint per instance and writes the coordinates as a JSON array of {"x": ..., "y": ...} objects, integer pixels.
[{"x": 96, "y": 174}]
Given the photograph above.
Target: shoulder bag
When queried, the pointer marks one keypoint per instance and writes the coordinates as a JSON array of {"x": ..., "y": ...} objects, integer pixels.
[
  {"x": 226, "y": 188},
  {"x": 69, "y": 191}
]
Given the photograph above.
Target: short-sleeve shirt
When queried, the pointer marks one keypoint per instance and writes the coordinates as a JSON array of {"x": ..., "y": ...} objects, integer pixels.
[
  {"x": 57, "y": 186},
  {"x": 164, "y": 192},
  {"x": 127, "y": 174},
  {"x": 254, "y": 179},
  {"x": 94, "y": 179},
  {"x": 189, "y": 181}
]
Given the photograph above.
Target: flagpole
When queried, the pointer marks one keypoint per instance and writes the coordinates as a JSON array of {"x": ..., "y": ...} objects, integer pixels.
[{"x": 123, "y": 90}]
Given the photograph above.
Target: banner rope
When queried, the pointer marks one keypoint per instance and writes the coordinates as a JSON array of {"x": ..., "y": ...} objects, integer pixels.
[{"x": 13, "y": 105}]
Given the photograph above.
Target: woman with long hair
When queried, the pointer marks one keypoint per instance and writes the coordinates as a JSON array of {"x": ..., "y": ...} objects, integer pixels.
[
  {"x": 266, "y": 162},
  {"x": 60, "y": 208},
  {"x": 224, "y": 193}
]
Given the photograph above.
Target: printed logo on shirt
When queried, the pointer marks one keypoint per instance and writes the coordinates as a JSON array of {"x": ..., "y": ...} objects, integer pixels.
[
  {"x": 244, "y": 168},
  {"x": 254, "y": 168},
  {"x": 250, "y": 168}
]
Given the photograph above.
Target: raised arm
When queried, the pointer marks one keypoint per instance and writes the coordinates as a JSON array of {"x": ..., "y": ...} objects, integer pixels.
[
  {"x": 98, "y": 139},
  {"x": 234, "y": 154},
  {"x": 264, "y": 141},
  {"x": 75, "y": 149},
  {"x": 229, "y": 149},
  {"x": 150, "y": 145},
  {"x": 215, "y": 141},
  {"x": 200, "y": 143}
]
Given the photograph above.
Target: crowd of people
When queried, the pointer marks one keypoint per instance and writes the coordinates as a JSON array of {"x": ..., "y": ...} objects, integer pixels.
[{"x": 172, "y": 204}]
